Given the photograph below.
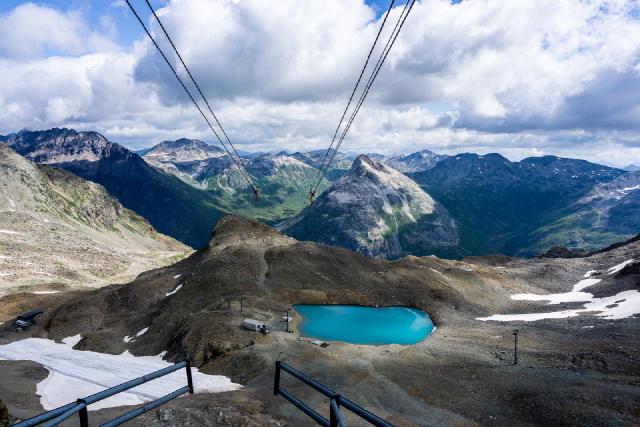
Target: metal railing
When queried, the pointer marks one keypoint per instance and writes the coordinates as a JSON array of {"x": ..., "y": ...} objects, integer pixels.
[
  {"x": 337, "y": 402},
  {"x": 58, "y": 415}
]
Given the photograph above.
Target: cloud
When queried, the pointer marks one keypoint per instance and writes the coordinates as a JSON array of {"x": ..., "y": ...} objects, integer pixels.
[
  {"x": 34, "y": 31},
  {"x": 522, "y": 77},
  {"x": 284, "y": 51}
]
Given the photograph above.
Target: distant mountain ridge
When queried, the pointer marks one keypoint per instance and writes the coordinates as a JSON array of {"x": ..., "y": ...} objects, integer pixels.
[
  {"x": 283, "y": 179},
  {"x": 183, "y": 150},
  {"x": 315, "y": 158},
  {"x": 490, "y": 203},
  {"x": 498, "y": 204},
  {"x": 414, "y": 162}
]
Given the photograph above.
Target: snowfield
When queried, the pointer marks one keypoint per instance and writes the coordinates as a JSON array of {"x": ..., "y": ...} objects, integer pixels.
[
  {"x": 75, "y": 374},
  {"x": 622, "y": 305}
]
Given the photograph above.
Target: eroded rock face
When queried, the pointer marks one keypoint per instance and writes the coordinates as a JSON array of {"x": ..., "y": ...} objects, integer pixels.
[
  {"x": 61, "y": 145},
  {"x": 59, "y": 229},
  {"x": 379, "y": 212},
  {"x": 5, "y": 418}
]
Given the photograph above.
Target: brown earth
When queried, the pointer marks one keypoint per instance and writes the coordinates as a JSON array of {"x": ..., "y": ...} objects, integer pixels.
[{"x": 460, "y": 375}]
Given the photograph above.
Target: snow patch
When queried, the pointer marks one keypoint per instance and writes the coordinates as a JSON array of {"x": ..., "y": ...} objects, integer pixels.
[
  {"x": 5, "y": 257},
  {"x": 555, "y": 298},
  {"x": 127, "y": 339},
  {"x": 10, "y": 232},
  {"x": 174, "y": 291},
  {"x": 616, "y": 268},
  {"x": 620, "y": 306},
  {"x": 45, "y": 292},
  {"x": 585, "y": 284},
  {"x": 3, "y": 274},
  {"x": 72, "y": 341},
  {"x": 589, "y": 273},
  {"x": 75, "y": 374},
  {"x": 176, "y": 276}
]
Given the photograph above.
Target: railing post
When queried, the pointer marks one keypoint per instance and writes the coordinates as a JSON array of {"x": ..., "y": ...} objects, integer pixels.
[
  {"x": 335, "y": 416},
  {"x": 83, "y": 414},
  {"x": 189, "y": 377},
  {"x": 276, "y": 380}
]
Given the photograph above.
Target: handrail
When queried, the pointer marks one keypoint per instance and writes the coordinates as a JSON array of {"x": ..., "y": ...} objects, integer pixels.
[
  {"x": 337, "y": 401},
  {"x": 56, "y": 416}
]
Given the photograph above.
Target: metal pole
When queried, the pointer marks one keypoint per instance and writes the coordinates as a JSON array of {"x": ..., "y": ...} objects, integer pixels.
[
  {"x": 189, "y": 377},
  {"x": 515, "y": 346},
  {"x": 276, "y": 380},
  {"x": 288, "y": 320},
  {"x": 83, "y": 414},
  {"x": 335, "y": 416}
]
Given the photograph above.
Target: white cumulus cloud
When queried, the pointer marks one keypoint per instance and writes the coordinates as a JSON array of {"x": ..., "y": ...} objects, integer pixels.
[{"x": 524, "y": 77}]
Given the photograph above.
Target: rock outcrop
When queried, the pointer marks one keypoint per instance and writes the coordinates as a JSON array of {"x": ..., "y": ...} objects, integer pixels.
[{"x": 379, "y": 212}]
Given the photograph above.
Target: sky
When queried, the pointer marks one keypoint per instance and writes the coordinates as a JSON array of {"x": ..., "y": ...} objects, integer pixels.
[{"x": 522, "y": 78}]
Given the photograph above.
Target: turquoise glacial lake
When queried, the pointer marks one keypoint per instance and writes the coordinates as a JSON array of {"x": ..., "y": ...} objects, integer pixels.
[{"x": 364, "y": 325}]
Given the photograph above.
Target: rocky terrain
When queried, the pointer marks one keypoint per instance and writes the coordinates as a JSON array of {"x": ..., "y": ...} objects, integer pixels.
[
  {"x": 379, "y": 212},
  {"x": 58, "y": 231},
  {"x": 173, "y": 207},
  {"x": 578, "y": 367}
]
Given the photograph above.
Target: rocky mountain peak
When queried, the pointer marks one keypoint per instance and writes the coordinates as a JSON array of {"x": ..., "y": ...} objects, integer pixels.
[
  {"x": 364, "y": 163},
  {"x": 62, "y": 145},
  {"x": 369, "y": 209},
  {"x": 183, "y": 150},
  {"x": 235, "y": 230}
]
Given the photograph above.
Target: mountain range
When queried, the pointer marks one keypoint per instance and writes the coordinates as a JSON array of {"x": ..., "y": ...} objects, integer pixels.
[
  {"x": 383, "y": 206},
  {"x": 284, "y": 179},
  {"x": 503, "y": 206},
  {"x": 170, "y": 205},
  {"x": 58, "y": 229}
]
